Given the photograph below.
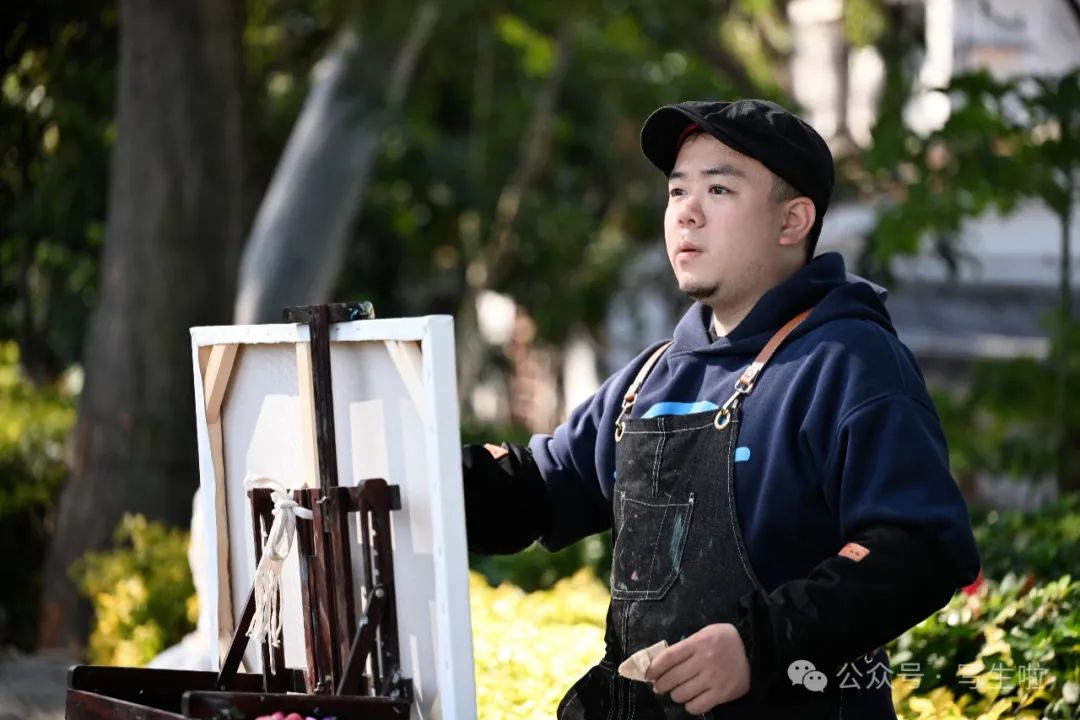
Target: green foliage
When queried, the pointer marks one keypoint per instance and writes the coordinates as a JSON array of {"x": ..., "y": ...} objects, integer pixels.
[
  {"x": 34, "y": 424},
  {"x": 864, "y": 22},
  {"x": 537, "y": 51},
  {"x": 1043, "y": 543},
  {"x": 56, "y": 108},
  {"x": 1004, "y": 141},
  {"x": 479, "y": 433},
  {"x": 535, "y": 568},
  {"x": 1000, "y": 422},
  {"x": 426, "y": 235},
  {"x": 444, "y": 162},
  {"x": 1012, "y": 649},
  {"x": 142, "y": 592}
]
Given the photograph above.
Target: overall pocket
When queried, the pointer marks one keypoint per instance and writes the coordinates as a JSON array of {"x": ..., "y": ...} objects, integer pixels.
[{"x": 648, "y": 546}]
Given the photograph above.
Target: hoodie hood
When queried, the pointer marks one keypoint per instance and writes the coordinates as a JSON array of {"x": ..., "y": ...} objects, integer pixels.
[{"x": 823, "y": 284}]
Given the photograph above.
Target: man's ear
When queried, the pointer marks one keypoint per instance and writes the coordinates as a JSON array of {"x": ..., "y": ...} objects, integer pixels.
[{"x": 798, "y": 218}]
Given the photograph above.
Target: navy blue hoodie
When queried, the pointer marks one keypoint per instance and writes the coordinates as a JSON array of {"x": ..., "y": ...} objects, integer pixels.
[{"x": 838, "y": 436}]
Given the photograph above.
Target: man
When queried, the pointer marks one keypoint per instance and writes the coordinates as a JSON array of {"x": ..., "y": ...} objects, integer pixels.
[{"x": 776, "y": 478}]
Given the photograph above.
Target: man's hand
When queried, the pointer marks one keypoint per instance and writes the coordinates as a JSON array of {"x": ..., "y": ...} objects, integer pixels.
[
  {"x": 506, "y": 503},
  {"x": 704, "y": 670}
]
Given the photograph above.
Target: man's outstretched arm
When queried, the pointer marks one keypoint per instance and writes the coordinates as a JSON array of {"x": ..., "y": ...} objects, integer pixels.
[{"x": 506, "y": 501}]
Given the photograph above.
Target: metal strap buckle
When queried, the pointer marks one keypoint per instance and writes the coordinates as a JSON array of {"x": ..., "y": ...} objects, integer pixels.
[
  {"x": 627, "y": 406},
  {"x": 727, "y": 410}
]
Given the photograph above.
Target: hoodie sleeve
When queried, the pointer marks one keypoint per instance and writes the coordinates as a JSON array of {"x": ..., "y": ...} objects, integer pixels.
[
  {"x": 890, "y": 466},
  {"x": 907, "y": 527},
  {"x": 553, "y": 490}
]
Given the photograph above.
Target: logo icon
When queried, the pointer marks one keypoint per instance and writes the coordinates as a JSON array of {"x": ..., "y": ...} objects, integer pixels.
[{"x": 803, "y": 672}]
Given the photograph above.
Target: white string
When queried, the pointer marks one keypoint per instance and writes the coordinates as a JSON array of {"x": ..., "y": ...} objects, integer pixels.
[{"x": 267, "y": 621}]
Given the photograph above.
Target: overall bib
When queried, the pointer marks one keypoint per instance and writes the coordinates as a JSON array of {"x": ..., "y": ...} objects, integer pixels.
[{"x": 679, "y": 562}]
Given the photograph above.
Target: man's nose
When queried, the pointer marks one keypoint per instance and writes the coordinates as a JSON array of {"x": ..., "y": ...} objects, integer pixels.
[{"x": 690, "y": 215}]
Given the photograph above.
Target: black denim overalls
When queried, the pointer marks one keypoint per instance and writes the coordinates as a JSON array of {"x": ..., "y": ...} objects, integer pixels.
[{"x": 679, "y": 562}]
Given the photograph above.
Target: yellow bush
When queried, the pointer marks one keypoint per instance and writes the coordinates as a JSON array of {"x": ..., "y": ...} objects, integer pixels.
[
  {"x": 530, "y": 647},
  {"x": 142, "y": 593}
]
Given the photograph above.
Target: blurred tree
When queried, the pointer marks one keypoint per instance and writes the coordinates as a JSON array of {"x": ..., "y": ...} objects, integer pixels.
[
  {"x": 1004, "y": 141},
  {"x": 516, "y": 166},
  {"x": 172, "y": 241},
  {"x": 462, "y": 130},
  {"x": 513, "y": 165},
  {"x": 55, "y": 131},
  {"x": 298, "y": 241},
  {"x": 1001, "y": 420}
]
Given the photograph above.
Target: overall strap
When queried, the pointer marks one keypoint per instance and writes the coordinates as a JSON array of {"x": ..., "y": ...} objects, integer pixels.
[
  {"x": 746, "y": 381},
  {"x": 631, "y": 393},
  {"x": 743, "y": 386},
  {"x": 643, "y": 373}
]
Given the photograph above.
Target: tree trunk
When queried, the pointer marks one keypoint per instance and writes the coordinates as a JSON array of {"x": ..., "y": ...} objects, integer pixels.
[
  {"x": 298, "y": 243},
  {"x": 174, "y": 230}
]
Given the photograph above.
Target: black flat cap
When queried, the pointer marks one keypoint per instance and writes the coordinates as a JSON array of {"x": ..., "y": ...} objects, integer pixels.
[{"x": 759, "y": 129}]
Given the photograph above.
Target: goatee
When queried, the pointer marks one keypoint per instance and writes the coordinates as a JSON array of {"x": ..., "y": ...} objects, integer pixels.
[{"x": 700, "y": 292}]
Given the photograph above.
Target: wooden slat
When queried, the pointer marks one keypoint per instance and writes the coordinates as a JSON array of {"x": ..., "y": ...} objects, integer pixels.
[
  {"x": 204, "y": 358},
  {"x": 410, "y": 366},
  {"x": 226, "y": 623},
  {"x": 305, "y": 548},
  {"x": 131, "y": 683},
  {"x": 207, "y": 705},
  {"x": 115, "y": 693},
  {"x": 306, "y": 397},
  {"x": 337, "y": 512},
  {"x": 325, "y": 599},
  {"x": 82, "y": 705},
  {"x": 219, "y": 368}
]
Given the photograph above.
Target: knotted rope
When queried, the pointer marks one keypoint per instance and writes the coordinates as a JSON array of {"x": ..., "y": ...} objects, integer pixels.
[{"x": 267, "y": 621}]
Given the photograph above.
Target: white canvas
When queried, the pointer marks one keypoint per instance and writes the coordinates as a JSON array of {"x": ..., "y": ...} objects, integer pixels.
[{"x": 396, "y": 417}]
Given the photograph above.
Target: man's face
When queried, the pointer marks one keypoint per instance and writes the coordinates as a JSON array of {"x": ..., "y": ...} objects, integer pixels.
[{"x": 722, "y": 226}]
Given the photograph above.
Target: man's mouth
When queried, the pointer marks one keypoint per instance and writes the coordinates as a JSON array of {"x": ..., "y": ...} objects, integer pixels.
[{"x": 686, "y": 251}]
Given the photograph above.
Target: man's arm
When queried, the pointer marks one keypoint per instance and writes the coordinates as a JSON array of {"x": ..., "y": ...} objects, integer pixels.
[
  {"x": 845, "y": 608},
  {"x": 908, "y": 548},
  {"x": 506, "y": 501},
  {"x": 552, "y": 490}
]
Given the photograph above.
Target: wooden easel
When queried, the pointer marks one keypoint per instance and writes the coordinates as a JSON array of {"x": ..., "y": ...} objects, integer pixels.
[{"x": 339, "y": 645}]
